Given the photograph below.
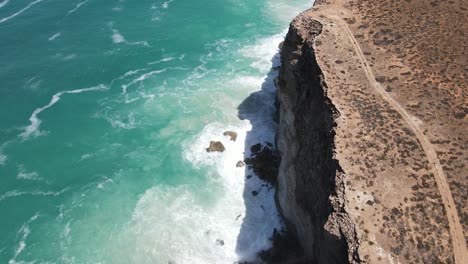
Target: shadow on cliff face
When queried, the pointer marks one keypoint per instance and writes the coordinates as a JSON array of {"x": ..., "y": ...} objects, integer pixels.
[
  {"x": 262, "y": 162},
  {"x": 261, "y": 170}
]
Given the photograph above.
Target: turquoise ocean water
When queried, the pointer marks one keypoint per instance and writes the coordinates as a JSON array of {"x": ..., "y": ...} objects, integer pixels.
[{"x": 106, "y": 110}]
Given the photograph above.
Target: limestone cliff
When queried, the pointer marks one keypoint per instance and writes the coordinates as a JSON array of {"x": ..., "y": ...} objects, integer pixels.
[{"x": 310, "y": 186}]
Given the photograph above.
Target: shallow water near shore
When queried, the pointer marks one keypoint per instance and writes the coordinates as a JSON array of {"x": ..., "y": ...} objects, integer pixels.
[{"x": 106, "y": 110}]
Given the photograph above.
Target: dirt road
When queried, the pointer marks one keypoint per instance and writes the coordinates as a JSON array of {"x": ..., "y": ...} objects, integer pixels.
[{"x": 456, "y": 230}]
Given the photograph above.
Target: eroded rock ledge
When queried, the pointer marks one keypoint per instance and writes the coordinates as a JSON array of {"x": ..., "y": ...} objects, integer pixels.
[{"x": 310, "y": 192}]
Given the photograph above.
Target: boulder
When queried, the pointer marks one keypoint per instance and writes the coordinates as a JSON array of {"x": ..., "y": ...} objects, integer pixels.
[
  {"x": 240, "y": 163},
  {"x": 219, "y": 242},
  {"x": 256, "y": 148},
  {"x": 215, "y": 146},
  {"x": 231, "y": 134},
  {"x": 265, "y": 162}
]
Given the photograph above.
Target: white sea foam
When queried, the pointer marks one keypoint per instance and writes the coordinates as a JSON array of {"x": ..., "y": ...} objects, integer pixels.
[
  {"x": 23, "y": 174},
  {"x": 247, "y": 83},
  {"x": 33, "y": 84},
  {"x": 64, "y": 57},
  {"x": 56, "y": 35},
  {"x": 285, "y": 10},
  {"x": 165, "y": 5},
  {"x": 86, "y": 156},
  {"x": 161, "y": 60},
  {"x": 117, "y": 8},
  {"x": 127, "y": 74},
  {"x": 16, "y": 193},
  {"x": 21, "y": 11},
  {"x": 77, "y": 7},
  {"x": 133, "y": 72},
  {"x": 23, "y": 234},
  {"x": 170, "y": 226},
  {"x": 3, "y": 157},
  {"x": 138, "y": 43},
  {"x": 147, "y": 75},
  {"x": 263, "y": 51},
  {"x": 118, "y": 38},
  {"x": 199, "y": 72},
  {"x": 242, "y": 223},
  {"x": 141, "y": 78},
  {"x": 2, "y": 4},
  {"x": 117, "y": 121},
  {"x": 33, "y": 128},
  {"x": 69, "y": 57},
  {"x": 67, "y": 231},
  {"x": 104, "y": 182}
]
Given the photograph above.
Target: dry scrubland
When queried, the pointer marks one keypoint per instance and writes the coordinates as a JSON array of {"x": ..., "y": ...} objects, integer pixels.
[{"x": 396, "y": 71}]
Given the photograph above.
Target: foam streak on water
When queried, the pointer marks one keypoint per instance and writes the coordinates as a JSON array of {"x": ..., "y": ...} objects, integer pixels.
[
  {"x": 77, "y": 7},
  {"x": 33, "y": 128},
  {"x": 118, "y": 38},
  {"x": 2, "y": 4},
  {"x": 15, "y": 193},
  {"x": 19, "y": 12},
  {"x": 56, "y": 35},
  {"x": 23, "y": 234},
  {"x": 3, "y": 157}
]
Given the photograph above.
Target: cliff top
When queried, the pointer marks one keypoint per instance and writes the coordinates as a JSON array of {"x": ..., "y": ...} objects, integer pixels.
[{"x": 396, "y": 71}]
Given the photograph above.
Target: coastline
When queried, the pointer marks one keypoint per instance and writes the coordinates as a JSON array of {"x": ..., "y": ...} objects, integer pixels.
[{"x": 380, "y": 190}]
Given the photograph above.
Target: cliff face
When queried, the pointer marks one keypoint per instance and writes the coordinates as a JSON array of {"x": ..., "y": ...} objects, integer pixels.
[{"x": 310, "y": 187}]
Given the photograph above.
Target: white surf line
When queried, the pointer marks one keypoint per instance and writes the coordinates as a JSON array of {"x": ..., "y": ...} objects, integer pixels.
[
  {"x": 141, "y": 78},
  {"x": 146, "y": 75},
  {"x": 2, "y": 4},
  {"x": 29, "y": 81},
  {"x": 19, "y": 12},
  {"x": 33, "y": 128},
  {"x": 56, "y": 35},
  {"x": 77, "y": 7},
  {"x": 161, "y": 60},
  {"x": 129, "y": 73},
  {"x": 16, "y": 193}
]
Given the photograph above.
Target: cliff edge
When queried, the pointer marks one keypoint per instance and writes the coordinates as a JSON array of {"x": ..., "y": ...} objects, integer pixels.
[{"x": 372, "y": 118}]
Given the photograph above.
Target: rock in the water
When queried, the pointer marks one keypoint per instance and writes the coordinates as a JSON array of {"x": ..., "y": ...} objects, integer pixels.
[
  {"x": 256, "y": 148},
  {"x": 215, "y": 146},
  {"x": 231, "y": 134},
  {"x": 240, "y": 163},
  {"x": 254, "y": 193},
  {"x": 219, "y": 242},
  {"x": 264, "y": 162}
]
